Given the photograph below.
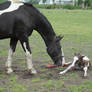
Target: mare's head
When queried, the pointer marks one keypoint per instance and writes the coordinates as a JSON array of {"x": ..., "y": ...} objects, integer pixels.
[{"x": 55, "y": 52}]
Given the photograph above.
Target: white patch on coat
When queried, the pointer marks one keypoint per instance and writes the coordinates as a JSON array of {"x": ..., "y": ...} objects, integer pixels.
[
  {"x": 75, "y": 58},
  {"x": 12, "y": 7},
  {"x": 9, "y": 61},
  {"x": 29, "y": 61},
  {"x": 86, "y": 58}
]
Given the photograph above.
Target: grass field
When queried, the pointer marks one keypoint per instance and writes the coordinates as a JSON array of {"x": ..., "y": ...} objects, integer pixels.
[{"x": 76, "y": 26}]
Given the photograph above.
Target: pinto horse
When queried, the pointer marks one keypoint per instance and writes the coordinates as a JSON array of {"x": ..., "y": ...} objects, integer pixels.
[{"x": 17, "y": 21}]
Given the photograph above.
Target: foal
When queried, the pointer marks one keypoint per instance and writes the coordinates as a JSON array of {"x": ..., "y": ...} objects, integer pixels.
[{"x": 80, "y": 62}]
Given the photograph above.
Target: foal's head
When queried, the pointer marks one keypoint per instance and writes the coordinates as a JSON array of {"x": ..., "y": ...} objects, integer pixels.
[
  {"x": 79, "y": 56},
  {"x": 55, "y": 52}
]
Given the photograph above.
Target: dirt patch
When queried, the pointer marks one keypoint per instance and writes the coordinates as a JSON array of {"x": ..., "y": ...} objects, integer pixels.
[{"x": 45, "y": 79}]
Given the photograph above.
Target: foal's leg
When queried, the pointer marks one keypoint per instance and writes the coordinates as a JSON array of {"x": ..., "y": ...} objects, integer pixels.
[
  {"x": 26, "y": 47},
  {"x": 69, "y": 67},
  {"x": 86, "y": 68},
  {"x": 13, "y": 43}
]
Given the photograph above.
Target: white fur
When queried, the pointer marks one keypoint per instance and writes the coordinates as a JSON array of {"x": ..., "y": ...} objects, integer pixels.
[
  {"x": 86, "y": 58},
  {"x": 72, "y": 65},
  {"x": 9, "y": 61},
  {"x": 63, "y": 59},
  {"x": 29, "y": 61},
  {"x": 75, "y": 58},
  {"x": 9, "y": 70},
  {"x": 85, "y": 71},
  {"x": 12, "y": 7}
]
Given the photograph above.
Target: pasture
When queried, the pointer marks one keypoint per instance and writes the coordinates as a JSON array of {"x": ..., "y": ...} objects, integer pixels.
[{"x": 76, "y": 26}]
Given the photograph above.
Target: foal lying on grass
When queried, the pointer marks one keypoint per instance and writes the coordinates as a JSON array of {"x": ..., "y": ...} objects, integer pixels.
[{"x": 80, "y": 62}]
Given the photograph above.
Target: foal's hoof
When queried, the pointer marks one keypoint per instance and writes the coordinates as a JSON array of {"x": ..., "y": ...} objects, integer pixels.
[
  {"x": 62, "y": 73},
  {"x": 32, "y": 71}
]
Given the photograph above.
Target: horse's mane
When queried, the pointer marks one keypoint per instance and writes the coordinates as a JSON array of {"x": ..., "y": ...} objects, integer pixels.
[
  {"x": 29, "y": 4},
  {"x": 38, "y": 12},
  {"x": 43, "y": 20}
]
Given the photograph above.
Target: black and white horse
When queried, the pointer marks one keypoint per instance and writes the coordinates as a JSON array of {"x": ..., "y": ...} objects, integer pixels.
[{"x": 17, "y": 22}]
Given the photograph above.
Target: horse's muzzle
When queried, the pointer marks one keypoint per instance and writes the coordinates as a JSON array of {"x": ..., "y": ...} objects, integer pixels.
[{"x": 58, "y": 63}]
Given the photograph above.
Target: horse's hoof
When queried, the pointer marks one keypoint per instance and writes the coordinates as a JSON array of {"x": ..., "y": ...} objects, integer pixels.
[
  {"x": 9, "y": 70},
  {"x": 85, "y": 76},
  {"x": 32, "y": 71}
]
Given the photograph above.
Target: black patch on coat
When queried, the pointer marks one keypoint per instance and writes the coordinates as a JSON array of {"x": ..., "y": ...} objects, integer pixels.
[{"x": 5, "y": 5}]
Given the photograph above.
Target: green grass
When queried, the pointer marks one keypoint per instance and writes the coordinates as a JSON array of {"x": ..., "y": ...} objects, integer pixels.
[
  {"x": 2, "y": 1},
  {"x": 51, "y": 85},
  {"x": 76, "y": 26},
  {"x": 81, "y": 88},
  {"x": 36, "y": 80}
]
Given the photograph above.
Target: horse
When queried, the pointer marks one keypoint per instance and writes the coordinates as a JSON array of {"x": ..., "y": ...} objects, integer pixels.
[{"x": 17, "y": 22}]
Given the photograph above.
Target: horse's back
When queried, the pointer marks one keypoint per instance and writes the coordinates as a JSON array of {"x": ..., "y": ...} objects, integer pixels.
[{"x": 4, "y": 5}]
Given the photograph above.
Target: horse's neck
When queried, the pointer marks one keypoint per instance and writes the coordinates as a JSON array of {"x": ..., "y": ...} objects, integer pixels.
[
  {"x": 47, "y": 34},
  {"x": 43, "y": 26}
]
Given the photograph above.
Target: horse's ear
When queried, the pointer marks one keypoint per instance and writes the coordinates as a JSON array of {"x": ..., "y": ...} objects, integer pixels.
[{"x": 58, "y": 38}]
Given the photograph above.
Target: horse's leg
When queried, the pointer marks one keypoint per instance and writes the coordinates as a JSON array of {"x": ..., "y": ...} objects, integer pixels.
[
  {"x": 13, "y": 43},
  {"x": 26, "y": 47},
  {"x": 63, "y": 60}
]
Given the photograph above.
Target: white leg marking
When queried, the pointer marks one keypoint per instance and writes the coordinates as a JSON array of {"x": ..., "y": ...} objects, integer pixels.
[
  {"x": 85, "y": 71},
  {"x": 72, "y": 65},
  {"x": 29, "y": 61},
  {"x": 9, "y": 61},
  {"x": 63, "y": 60},
  {"x": 86, "y": 59}
]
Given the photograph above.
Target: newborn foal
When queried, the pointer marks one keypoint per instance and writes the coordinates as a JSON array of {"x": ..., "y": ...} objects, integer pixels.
[{"x": 79, "y": 62}]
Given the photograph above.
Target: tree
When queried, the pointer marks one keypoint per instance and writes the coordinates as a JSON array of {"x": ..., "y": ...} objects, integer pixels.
[
  {"x": 87, "y": 2},
  {"x": 34, "y": 1},
  {"x": 44, "y": 1},
  {"x": 80, "y": 2}
]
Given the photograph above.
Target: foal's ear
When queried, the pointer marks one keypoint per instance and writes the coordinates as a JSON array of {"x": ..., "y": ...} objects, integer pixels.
[
  {"x": 58, "y": 38},
  {"x": 77, "y": 54}
]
